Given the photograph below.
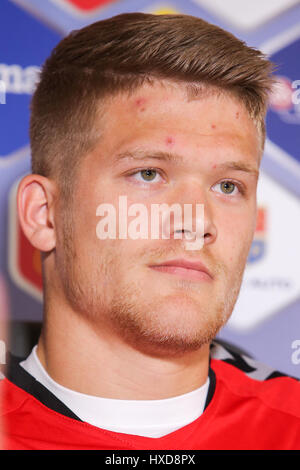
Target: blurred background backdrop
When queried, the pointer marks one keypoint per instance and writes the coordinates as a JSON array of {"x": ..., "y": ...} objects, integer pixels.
[{"x": 266, "y": 318}]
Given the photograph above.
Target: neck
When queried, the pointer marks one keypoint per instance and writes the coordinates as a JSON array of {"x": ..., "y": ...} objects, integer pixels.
[{"x": 97, "y": 362}]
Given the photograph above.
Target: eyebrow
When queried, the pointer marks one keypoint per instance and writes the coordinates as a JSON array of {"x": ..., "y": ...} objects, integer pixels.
[
  {"x": 144, "y": 155},
  {"x": 239, "y": 166},
  {"x": 176, "y": 159}
]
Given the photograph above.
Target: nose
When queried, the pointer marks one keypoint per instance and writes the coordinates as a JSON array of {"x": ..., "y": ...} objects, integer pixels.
[{"x": 197, "y": 215}]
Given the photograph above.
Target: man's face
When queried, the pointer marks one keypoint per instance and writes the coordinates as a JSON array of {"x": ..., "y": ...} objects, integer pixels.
[{"x": 113, "y": 282}]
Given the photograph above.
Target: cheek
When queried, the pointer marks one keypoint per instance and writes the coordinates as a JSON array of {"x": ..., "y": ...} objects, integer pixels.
[{"x": 236, "y": 237}]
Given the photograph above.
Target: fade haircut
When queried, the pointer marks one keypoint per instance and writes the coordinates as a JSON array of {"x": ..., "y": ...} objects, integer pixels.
[{"x": 120, "y": 54}]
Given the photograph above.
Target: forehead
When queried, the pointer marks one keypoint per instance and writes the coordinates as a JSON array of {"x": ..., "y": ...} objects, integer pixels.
[{"x": 162, "y": 114}]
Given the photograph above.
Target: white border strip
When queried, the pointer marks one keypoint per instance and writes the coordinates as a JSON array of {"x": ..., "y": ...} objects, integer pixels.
[
  {"x": 9, "y": 159},
  {"x": 283, "y": 158},
  {"x": 281, "y": 40}
]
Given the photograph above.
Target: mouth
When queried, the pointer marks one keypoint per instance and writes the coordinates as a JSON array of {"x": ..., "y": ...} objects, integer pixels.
[{"x": 186, "y": 269}]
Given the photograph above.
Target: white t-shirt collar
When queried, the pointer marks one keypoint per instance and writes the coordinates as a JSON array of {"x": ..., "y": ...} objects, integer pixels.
[{"x": 151, "y": 418}]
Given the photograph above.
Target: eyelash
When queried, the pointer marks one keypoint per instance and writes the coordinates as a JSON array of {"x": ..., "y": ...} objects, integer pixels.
[{"x": 239, "y": 185}]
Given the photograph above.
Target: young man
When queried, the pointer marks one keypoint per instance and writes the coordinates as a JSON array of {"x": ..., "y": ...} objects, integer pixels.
[{"x": 146, "y": 110}]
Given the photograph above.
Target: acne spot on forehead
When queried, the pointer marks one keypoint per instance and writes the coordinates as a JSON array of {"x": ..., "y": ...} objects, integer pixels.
[
  {"x": 237, "y": 114},
  {"x": 170, "y": 140},
  {"x": 213, "y": 126},
  {"x": 214, "y": 166},
  {"x": 140, "y": 103}
]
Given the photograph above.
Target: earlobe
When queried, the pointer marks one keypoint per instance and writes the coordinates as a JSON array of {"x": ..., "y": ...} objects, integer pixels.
[{"x": 35, "y": 199}]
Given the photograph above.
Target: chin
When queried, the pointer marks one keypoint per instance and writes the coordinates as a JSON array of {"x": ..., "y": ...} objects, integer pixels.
[
  {"x": 173, "y": 332},
  {"x": 172, "y": 343},
  {"x": 168, "y": 324}
]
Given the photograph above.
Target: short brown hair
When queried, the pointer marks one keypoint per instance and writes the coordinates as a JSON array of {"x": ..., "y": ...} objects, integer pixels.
[{"x": 122, "y": 53}]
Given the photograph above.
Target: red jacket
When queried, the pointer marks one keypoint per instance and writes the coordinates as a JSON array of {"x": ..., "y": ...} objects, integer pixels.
[{"x": 248, "y": 407}]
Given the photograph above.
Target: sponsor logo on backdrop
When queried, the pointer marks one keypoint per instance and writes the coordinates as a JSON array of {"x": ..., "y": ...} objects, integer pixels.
[
  {"x": 26, "y": 42},
  {"x": 283, "y": 118},
  {"x": 285, "y": 100},
  {"x": 2, "y": 92},
  {"x": 164, "y": 10},
  {"x": 272, "y": 277},
  {"x": 257, "y": 250},
  {"x": 19, "y": 80},
  {"x": 295, "y": 357},
  {"x": 84, "y": 6},
  {"x": 91, "y": 6}
]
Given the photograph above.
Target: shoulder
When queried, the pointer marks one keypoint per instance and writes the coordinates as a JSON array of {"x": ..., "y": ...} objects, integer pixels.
[
  {"x": 12, "y": 396},
  {"x": 20, "y": 391},
  {"x": 248, "y": 379}
]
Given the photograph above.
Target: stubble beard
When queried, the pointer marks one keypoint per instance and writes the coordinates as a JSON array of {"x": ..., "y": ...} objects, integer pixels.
[{"x": 140, "y": 323}]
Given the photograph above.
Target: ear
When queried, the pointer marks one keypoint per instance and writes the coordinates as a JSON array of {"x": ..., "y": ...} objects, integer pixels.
[{"x": 36, "y": 207}]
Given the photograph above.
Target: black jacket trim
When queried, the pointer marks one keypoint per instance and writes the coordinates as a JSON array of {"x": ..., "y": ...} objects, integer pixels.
[
  {"x": 211, "y": 387},
  {"x": 20, "y": 377},
  {"x": 16, "y": 374}
]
